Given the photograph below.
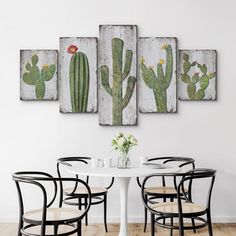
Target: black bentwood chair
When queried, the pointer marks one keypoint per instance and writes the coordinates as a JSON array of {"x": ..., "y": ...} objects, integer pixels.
[
  {"x": 48, "y": 220},
  {"x": 184, "y": 208},
  {"x": 167, "y": 189},
  {"x": 99, "y": 194}
]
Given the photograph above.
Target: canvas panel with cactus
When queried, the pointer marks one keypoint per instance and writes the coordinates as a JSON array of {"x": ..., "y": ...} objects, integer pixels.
[
  {"x": 78, "y": 75},
  {"x": 157, "y": 75},
  {"x": 197, "y": 75},
  {"x": 117, "y": 75},
  {"x": 38, "y": 73}
]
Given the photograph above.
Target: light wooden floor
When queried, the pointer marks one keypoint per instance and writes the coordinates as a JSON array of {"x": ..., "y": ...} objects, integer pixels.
[{"x": 7, "y": 229}]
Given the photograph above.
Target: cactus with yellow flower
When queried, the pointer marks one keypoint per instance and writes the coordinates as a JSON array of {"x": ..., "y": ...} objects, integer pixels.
[
  {"x": 36, "y": 77},
  {"x": 160, "y": 81}
]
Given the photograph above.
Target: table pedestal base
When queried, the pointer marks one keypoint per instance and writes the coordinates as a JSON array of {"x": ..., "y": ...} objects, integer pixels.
[{"x": 123, "y": 185}]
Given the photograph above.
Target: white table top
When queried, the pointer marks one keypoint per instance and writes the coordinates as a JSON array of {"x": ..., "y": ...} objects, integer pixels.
[{"x": 116, "y": 172}]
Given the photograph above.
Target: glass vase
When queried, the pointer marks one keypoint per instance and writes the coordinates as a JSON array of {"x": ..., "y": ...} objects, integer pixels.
[{"x": 123, "y": 161}]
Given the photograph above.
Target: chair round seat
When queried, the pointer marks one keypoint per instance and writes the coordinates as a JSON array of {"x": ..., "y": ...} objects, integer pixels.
[
  {"x": 84, "y": 191},
  {"x": 163, "y": 190},
  {"x": 172, "y": 208},
  {"x": 54, "y": 215}
]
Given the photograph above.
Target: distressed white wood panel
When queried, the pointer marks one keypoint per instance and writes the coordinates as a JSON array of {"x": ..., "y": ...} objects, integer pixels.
[
  {"x": 46, "y": 57},
  {"x": 151, "y": 51},
  {"x": 128, "y": 33},
  {"x": 87, "y": 45},
  {"x": 207, "y": 57}
]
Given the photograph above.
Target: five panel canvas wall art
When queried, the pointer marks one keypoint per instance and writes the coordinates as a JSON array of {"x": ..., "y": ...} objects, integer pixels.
[
  {"x": 78, "y": 75},
  {"x": 197, "y": 75},
  {"x": 117, "y": 75},
  {"x": 157, "y": 73},
  {"x": 38, "y": 73},
  {"x": 106, "y": 75}
]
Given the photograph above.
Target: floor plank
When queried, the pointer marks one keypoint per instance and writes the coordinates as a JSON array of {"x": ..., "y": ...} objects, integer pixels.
[{"x": 10, "y": 229}]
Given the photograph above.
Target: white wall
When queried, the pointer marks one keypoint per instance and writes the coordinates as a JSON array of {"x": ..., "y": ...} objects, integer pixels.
[{"x": 34, "y": 134}]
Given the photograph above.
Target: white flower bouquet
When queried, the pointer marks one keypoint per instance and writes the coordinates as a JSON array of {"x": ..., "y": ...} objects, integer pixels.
[{"x": 124, "y": 143}]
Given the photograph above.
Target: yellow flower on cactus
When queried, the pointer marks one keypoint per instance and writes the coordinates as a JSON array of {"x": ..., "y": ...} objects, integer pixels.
[
  {"x": 162, "y": 61},
  {"x": 142, "y": 60},
  {"x": 45, "y": 66},
  {"x": 164, "y": 46}
]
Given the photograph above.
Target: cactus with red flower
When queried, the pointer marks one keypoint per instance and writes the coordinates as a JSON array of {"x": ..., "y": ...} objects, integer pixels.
[
  {"x": 35, "y": 76},
  {"x": 79, "y": 79}
]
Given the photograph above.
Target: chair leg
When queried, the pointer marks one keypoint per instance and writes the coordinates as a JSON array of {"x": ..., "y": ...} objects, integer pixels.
[
  {"x": 193, "y": 225},
  {"x": 85, "y": 205},
  {"x": 181, "y": 226},
  {"x": 171, "y": 223},
  {"x": 145, "y": 216},
  {"x": 171, "y": 220},
  {"x": 20, "y": 226},
  {"x": 55, "y": 230},
  {"x": 209, "y": 224},
  {"x": 152, "y": 224},
  {"x": 105, "y": 212},
  {"x": 164, "y": 220},
  {"x": 79, "y": 227}
]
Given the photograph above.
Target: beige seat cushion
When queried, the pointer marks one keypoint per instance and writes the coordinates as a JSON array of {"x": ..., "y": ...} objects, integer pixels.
[
  {"x": 172, "y": 207},
  {"x": 54, "y": 214},
  {"x": 83, "y": 190},
  {"x": 162, "y": 190}
]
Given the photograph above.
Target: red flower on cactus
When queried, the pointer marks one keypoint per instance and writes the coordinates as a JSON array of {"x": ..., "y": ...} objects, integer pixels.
[{"x": 72, "y": 49}]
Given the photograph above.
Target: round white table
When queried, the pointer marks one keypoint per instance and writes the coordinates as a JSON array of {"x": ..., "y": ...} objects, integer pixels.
[{"x": 123, "y": 176}]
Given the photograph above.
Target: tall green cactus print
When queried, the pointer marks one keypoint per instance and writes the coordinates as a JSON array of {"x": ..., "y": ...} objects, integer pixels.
[
  {"x": 120, "y": 73},
  {"x": 159, "y": 79},
  {"x": 38, "y": 77},
  {"x": 78, "y": 79},
  {"x": 196, "y": 76}
]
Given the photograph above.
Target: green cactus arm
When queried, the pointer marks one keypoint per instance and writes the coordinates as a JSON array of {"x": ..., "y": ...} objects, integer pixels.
[
  {"x": 34, "y": 60},
  {"x": 185, "y": 57},
  {"x": 104, "y": 70},
  {"x": 128, "y": 62},
  {"x": 169, "y": 66},
  {"x": 84, "y": 73},
  {"x": 160, "y": 73},
  {"x": 27, "y": 79},
  {"x": 191, "y": 88},
  {"x": 129, "y": 91},
  {"x": 40, "y": 89},
  {"x": 72, "y": 83},
  {"x": 200, "y": 94},
  {"x": 204, "y": 82},
  {"x": 203, "y": 68},
  {"x": 186, "y": 67},
  {"x": 34, "y": 74},
  {"x": 149, "y": 76},
  {"x": 52, "y": 70},
  {"x": 212, "y": 75},
  {"x": 185, "y": 78},
  {"x": 47, "y": 73},
  {"x": 117, "y": 56},
  {"x": 28, "y": 66}
]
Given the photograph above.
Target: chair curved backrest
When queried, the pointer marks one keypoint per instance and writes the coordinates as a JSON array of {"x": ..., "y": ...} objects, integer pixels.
[
  {"x": 40, "y": 179},
  {"x": 198, "y": 173},
  {"x": 180, "y": 162},
  {"x": 68, "y": 161}
]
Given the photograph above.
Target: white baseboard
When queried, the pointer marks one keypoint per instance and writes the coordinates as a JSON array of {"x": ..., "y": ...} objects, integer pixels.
[{"x": 95, "y": 220}]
